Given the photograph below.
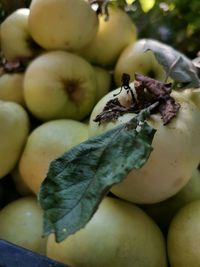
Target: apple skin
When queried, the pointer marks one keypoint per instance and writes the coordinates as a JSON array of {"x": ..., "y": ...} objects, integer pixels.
[
  {"x": 59, "y": 84},
  {"x": 14, "y": 121},
  {"x": 16, "y": 42},
  {"x": 20, "y": 186},
  {"x": 134, "y": 59},
  {"x": 176, "y": 152},
  {"x": 104, "y": 80},
  {"x": 21, "y": 223},
  {"x": 119, "y": 234},
  {"x": 44, "y": 144},
  {"x": 192, "y": 94},
  {"x": 164, "y": 211},
  {"x": 62, "y": 25},
  {"x": 183, "y": 236},
  {"x": 112, "y": 37},
  {"x": 11, "y": 87}
]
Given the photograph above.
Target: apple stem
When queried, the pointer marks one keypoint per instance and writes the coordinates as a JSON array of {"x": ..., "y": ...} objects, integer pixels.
[
  {"x": 102, "y": 7},
  {"x": 125, "y": 84}
]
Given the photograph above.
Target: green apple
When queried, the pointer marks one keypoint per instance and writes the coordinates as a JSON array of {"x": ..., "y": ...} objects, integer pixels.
[
  {"x": 16, "y": 42},
  {"x": 11, "y": 87},
  {"x": 95, "y": 128},
  {"x": 64, "y": 24},
  {"x": 193, "y": 94},
  {"x": 21, "y": 223},
  {"x": 104, "y": 80},
  {"x": 164, "y": 211},
  {"x": 45, "y": 143},
  {"x": 134, "y": 59},
  {"x": 60, "y": 84},
  {"x": 14, "y": 131},
  {"x": 112, "y": 37},
  {"x": 20, "y": 186},
  {"x": 183, "y": 237},
  {"x": 119, "y": 234},
  {"x": 175, "y": 155}
]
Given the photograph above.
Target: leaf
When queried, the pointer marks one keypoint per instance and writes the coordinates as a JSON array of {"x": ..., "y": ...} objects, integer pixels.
[
  {"x": 196, "y": 62},
  {"x": 130, "y": 2},
  {"x": 78, "y": 180},
  {"x": 147, "y": 5},
  {"x": 177, "y": 65}
]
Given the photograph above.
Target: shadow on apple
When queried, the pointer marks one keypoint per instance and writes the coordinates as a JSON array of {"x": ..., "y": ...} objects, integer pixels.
[{"x": 163, "y": 212}]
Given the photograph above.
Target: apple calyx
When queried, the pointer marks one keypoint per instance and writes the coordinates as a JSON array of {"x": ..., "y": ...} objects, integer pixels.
[
  {"x": 148, "y": 93},
  {"x": 74, "y": 91}
]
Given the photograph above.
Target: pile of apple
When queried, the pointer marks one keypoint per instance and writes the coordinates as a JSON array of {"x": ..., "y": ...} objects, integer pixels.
[{"x": 60, "y": 62}]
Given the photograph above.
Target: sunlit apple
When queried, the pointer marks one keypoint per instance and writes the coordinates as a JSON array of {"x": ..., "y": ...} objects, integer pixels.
[
  {"x": 63, "y": 24},
  {"x": 16, "y": 42},
  {"x": 112, "y": 37},
  {"x": 60, "y": 84}
]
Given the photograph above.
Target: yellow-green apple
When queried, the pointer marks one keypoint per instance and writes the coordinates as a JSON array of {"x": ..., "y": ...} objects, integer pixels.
[
  {"x": 20, "y": 186},
  {"x": 112, "y": 37},
  {"x": 21, "y": 223},
  {"x": 104, "y": 80},
  {"x": 164, "y": 211},
  {"x": 64, "y": 24},
  {"x": 45, "y": 143},
  {"x": 16, "y": 42},
  {"x": 119, "y": 234},
  {"x": 59, "y": 84},
  {"x": 134, "y": 59},
  {"x": 11, "y": 87},
  {"x": 183, "y": 236},
  {"x": 14, "y": 123},
  {"x": 193, "y": 94},
  {"x": 175, "y": 155}
]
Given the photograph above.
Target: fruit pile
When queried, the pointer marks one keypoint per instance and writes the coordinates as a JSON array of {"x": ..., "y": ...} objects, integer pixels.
[{"x": 97, "y": 145}]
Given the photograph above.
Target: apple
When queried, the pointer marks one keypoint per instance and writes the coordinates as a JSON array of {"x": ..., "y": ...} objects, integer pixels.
[
  {"x": 64, "y": 24},
  {"x": 112, "y": 37},
  {"x": 192, "y": 94},
  {"x": 20, "y": 186},
  {"x": 119, "y": 234},
  {"x": 16, "y": 42},
  {"x": 45, "y": 143},
  {"x": 164, "y": 211},
  {"x": 11, "y": 87},
  {"x": 14, "y": 121},
  {"x": 104, "y": 79},
  {"x": 135, "y": 59},
  {"x": 175, "y": 154},
  {"x": 21, "y": 223},
  {"x": 59, "y": 84},
  {"x": 183, "y": 236},
  {"x": 96, "y": 129}
]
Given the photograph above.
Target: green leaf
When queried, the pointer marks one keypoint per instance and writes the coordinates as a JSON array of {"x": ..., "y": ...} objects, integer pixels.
[
  {"x": 78, "y": 180},
  {"x": 130, "y": 2},
  {"x": 147, "y": 5},
  {"x": 180, "y": 68}
]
